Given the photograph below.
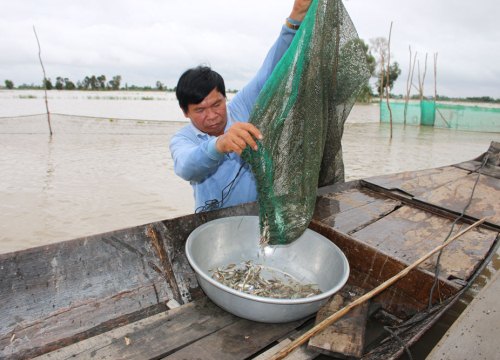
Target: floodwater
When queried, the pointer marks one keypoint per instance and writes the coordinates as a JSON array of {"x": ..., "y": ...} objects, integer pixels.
[
  {"x": 145, "y": 105},
  {"x": 97, "y": 175}
]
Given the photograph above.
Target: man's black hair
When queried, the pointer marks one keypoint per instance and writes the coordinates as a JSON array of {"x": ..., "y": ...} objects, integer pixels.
[{"x": 196, "y": 83}]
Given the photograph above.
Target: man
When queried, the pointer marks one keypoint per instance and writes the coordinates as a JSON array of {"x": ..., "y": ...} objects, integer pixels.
[{"x": 207, "y": 152}]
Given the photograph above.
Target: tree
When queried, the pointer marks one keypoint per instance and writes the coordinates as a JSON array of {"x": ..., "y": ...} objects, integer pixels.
[
  {"x": 394, "y": 72},
  {"x": 115, "y": 82},
  {"x": 365, "y": 94},
  {"x": 101, "y": 80},
  {"x": 93, "y": 82},
  {"x": 68, "y": 84},
  {"x": 89, "y": 83},
  {"x": 370, "y": 59},
  {"x": 85, "y": 84},
  {"x": 48, "y": 84},
  {"x": 9, "y": 84},
  {"x": 59, "y": 83},
  {"x": 159, "y": 85},
  {"x": 380, "y": 47}
]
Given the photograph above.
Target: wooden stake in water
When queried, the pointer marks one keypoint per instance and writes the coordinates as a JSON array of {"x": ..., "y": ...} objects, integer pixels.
[{"x": 44, "y": 80}]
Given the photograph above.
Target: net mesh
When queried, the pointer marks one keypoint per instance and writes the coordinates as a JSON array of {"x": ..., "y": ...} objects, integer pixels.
[
  {"x": 301, "y": 112},
  {"x": 441, "y": 115}
]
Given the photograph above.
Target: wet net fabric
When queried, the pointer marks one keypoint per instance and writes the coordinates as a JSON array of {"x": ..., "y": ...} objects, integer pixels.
[
  {"x": 467, "y": 117},
  {"x": 301, "y": 112}
]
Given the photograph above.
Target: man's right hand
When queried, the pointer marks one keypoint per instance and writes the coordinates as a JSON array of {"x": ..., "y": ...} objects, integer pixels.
[
  {"x": 299, "y": 9},
  {"x": 237, "y": 138}
]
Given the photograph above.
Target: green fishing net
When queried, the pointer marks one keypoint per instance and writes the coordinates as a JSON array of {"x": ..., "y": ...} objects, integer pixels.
[{"x": 301, "y": 112}]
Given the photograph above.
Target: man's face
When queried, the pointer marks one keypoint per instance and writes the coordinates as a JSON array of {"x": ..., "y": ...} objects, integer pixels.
[{"x": 210, "y": 115}]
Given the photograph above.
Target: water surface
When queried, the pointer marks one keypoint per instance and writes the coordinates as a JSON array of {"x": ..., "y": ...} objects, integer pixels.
[{"x": 100, "y": 175}]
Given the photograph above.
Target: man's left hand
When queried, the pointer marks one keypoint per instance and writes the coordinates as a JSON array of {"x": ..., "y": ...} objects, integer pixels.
[{"x": 237, "y": 138}]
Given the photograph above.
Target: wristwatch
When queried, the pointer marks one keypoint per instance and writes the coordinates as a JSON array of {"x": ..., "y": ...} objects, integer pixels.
[{"x": 292, "y": 24}]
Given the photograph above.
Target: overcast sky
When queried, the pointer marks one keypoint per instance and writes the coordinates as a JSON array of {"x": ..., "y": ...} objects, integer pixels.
[{"x": 149, "y": 40}]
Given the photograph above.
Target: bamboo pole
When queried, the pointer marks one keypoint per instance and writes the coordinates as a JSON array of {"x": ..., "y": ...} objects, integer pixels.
[
  {"x": 409, "y": 82},
  {"x": 442, "y": 117},
  {"x": 337, "y": 315},
  {"x": 435, "y": 77},
  {"x": 44, "y": 80},
  {"x": 387, "y": 88}
]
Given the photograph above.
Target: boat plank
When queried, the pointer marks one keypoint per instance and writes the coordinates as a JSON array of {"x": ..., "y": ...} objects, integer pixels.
[
  {"x": 370, "y": 267},
  {"x": 477, "y": 166},
  {"x": 346, "y": 337},
  {"x": 152, "y": 337},
  {"x": 456, "y": 195},
  {"x": 90, "y": 285},
  {"x": 66, "y": 327},
  {"x": 419, "y": 182},
  {"x": 488, "y": 163},
  {"x": 240, "y": 340},
  {"x": 409, "y": 233},
  {"x": 300, "y": 353},
  {"x": 351, "y": 210},
  {"x": 80, "y": 287}
]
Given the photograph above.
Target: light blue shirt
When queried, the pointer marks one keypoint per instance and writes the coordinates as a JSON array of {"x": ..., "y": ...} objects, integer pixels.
[{"x": 196, "y": 158}]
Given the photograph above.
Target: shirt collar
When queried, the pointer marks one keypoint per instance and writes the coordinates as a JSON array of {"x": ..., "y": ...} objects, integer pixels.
[{"x": 197, "y": 132}]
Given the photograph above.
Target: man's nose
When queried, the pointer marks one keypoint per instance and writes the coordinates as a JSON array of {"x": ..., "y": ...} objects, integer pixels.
[{"x": 211, "y": 114}]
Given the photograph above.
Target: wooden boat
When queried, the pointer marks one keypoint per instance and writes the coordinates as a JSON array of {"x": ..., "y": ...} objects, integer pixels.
[{"x": 132, "y": 294}]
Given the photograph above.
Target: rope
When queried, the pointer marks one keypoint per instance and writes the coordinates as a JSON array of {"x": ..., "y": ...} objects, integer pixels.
[
  {"x": 215, "y": 204},
  {"x": 398, "y": 339},
  {"x": 393, "y": 330},
  {"x": 437, "y": 269}
]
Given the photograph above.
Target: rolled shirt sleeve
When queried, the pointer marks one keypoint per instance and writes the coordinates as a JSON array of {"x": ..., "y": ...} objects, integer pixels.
[{"x": 194, "y": 158}]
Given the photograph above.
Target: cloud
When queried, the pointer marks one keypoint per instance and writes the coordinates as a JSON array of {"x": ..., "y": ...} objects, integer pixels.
[
  {"x": 462, "y": 33},
  {"x": 150, "y": 40},
  {"x": 143, "y": 41}
]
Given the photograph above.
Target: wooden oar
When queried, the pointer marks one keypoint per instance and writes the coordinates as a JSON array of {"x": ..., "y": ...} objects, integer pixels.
[{"x": 335, "y": 316}]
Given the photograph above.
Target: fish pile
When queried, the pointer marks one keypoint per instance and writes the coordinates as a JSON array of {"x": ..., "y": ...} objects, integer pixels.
[{"x": 248, "y": 278}]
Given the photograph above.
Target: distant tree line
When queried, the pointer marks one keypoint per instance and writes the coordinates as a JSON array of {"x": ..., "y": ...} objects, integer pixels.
[
  {"x": 481, "y": 99},
  {"x": 101, "y": 83},
  {"x": 88, "y": 83},
  {"x": 477, "y": 99}
]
